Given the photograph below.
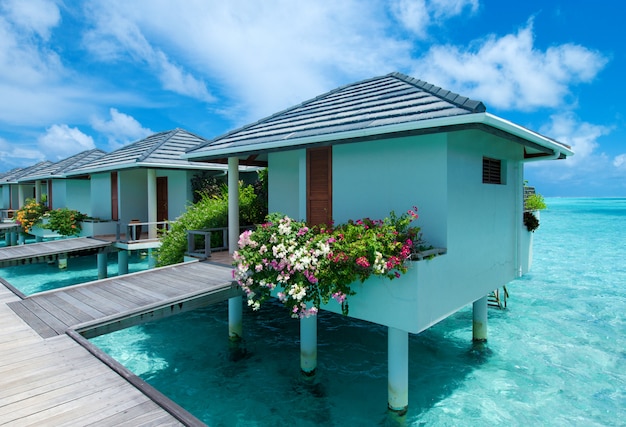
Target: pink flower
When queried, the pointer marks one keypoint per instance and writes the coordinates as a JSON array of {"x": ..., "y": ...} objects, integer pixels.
[{"x": 363, "y": 262}]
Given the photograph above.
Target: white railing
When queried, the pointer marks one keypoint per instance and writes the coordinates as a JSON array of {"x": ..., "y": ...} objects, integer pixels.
[
  {"x": 134, "y": 230},
  {"x": 199, "y": 242}
]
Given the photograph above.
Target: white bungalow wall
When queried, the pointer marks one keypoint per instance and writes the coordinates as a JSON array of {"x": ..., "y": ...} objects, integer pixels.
[
  {"x": 133, "y": 195},
  {"x": 100, "y": 195},
  {"x": 477, "y": 223}
]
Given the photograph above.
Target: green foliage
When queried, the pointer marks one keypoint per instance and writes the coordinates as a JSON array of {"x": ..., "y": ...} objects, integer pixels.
[
  {"x": 534, "y": 202},
  {"x": 311, "y": 266},
  {"x": 66, "y": 222},
  {"x": 531, "y": 221},
  {"x": 206, "y": 184},
  {"x": 30, "y": 214},
  {"x": 209, "y": 212}
]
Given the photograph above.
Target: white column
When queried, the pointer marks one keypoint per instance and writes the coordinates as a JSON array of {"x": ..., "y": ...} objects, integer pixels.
[
  {"x": 122, "y": 262},
  {"x": 38, "y": 191},
  {"x": 20, "y": 196},
  {"x": 397, "y": 370},
  {"x": 102, "y": 265},
  {"x": 152, "y": 204},
  {"x": 308, "y": 345},
  {"x": 479, "y": 324},
  {"x": 62, "y": 261},
  {"x": 235, "y": 327}
]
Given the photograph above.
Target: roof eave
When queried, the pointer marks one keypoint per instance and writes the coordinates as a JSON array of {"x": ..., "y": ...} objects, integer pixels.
[{"x": 440, "y": 122}]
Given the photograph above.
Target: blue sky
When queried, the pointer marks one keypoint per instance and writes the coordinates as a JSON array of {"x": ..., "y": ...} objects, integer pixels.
[{"x": 76, "y": 75}]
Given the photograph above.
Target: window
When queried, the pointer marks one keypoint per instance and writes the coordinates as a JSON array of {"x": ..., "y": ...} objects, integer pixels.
[{"x": 492, "y": 171}]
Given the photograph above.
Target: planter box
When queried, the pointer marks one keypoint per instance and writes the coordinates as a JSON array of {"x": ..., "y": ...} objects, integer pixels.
[{"x": 91, "y": 228}]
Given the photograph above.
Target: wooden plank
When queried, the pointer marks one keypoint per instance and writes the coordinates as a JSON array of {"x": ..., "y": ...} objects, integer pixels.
[
  {"x": 143, "y": 414},
  {"x": 85, "y": 308},
  {"x": 62, "y": 310},
  {"x": 87, "y": 296},
  {"x": 64, "y": 319},
  {"x": 105, "y": 293},
  {"x": 32, "y": 319}
]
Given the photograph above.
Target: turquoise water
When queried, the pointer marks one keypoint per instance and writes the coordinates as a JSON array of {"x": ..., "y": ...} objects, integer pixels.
[
  {"x": 33, "y": 278},
  {"x": 556, "y": 356}
]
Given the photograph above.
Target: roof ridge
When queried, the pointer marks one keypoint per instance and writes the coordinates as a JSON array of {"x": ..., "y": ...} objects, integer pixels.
[
  {"x": 293, "y": 107},
  {"x": 167, "y": 136},
  {"x": 448, "y": 96}
]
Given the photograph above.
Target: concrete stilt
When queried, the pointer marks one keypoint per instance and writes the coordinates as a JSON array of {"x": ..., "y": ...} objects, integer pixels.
[
  {"x": 122, "y": 262},
  {"x": 38, "y": 239},
  {"x": 308, "y": 345},
  {"x": 21, "y": 239},
  {"x": 62, "y": 261},
  {"x": 235, "y": 327},
  {"x": 7, "y": 238},
  {"x": 151, "y": 259},
  {"x": 397, "y": 370},
  {"x": 102, "y": 265},
  {"x": 479, "y": 324},
  {"x": 14, "y": 237}
]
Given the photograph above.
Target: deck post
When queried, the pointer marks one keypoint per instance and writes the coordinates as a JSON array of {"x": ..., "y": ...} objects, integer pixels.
[
  {"x": 308, "y": 345},
  {"x": 397, "y": 370},
  {"x": 122, "y": 262},
  {"x": 8, "y": 238},
  {"x": 21, "y": 238},
  {"x": 14, "y": 237},
  {"x": 62, "y": 260},
  {"x": 102, "y": 265},
  {"x": 479, "y": 324},
  {"x": 235, "y": 326}
]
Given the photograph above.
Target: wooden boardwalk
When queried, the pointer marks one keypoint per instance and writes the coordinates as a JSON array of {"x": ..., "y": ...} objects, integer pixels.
[
  {"x": 48, "y": 372},
  {"x": 107, "y": 305},
  {"x": 57, "y": 382},
  {"x": 50, "y": 251}
]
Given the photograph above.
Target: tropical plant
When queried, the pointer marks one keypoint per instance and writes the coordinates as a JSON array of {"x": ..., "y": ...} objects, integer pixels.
[
  {"x": 66, "y": 222},
  {"x": 209, "y": 212},
  {"x": 534, "y": 202},
  {"x": 531, "y": 221},
  {"x": 30, "y": 214},
  {"x": 307, "y": 267}
]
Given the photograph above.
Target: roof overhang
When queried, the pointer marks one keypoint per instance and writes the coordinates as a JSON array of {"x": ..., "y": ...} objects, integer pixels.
[
  {"x": 148, "y": 165},
  {"x": 540, "y": 145}
]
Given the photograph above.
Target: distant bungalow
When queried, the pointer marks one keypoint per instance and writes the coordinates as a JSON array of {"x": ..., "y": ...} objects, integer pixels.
[{"x": 389, "y": 143}]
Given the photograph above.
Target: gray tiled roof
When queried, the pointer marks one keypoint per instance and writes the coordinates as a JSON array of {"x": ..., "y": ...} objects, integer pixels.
[
  {"x": 13, "y": 177},
  {"x": 161, "y": 149},
  {"x": 387, "y": 100},
  {"x": 58, "y": 169}
]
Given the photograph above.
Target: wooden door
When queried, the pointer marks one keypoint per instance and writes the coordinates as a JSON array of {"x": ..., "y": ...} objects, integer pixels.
[
  {"x": 319, "y": 186},
  {"x": 162, "y": 207},
  {"x": 115, "y": 215}
]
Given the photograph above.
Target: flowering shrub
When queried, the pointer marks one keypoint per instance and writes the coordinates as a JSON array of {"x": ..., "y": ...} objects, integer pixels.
[
  {"x": 311, "y": 266},
  {"x": 29, "y": 214},
  {"x": 65, "y": 221}
]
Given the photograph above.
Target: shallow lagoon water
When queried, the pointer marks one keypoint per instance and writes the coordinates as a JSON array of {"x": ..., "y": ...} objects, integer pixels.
[{"x": 556, "y": 356}]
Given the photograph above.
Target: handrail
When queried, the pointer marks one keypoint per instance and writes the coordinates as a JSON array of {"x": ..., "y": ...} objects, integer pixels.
[
  {"x": 204, "y": 250},
  {"x": 134, "y": 230}
]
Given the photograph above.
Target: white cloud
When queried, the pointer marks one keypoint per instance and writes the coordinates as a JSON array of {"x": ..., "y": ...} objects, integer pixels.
[
  {"x": 581, "y": 136},
  {"x": 120, "y": 129},
  {"x": 61, "y": 141},
  {"x": 510, "y": 72},
  {"x": 417, "y": 15},
  {"x": 33, "y": 16},
  {"x": 115, "y": 37},
  {"x": 620, "y": 161}
]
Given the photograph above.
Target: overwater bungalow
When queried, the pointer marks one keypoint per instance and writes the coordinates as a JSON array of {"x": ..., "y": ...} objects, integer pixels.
[
  {"x": 14, "y": 192},
  {"x": 389, "y": 143}
]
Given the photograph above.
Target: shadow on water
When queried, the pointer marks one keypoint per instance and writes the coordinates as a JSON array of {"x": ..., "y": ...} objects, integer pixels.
[{"x": 190, "y": 358}]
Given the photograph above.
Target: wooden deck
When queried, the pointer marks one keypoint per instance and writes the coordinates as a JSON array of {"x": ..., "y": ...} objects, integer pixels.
[
  {"x": 107, "y": 305},
  {"x": 50, "y": 251},
  {"x": 56, "y": 381}
]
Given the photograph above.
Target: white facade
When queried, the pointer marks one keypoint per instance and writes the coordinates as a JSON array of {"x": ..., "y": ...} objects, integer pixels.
[{"x": 479, "y": 224}]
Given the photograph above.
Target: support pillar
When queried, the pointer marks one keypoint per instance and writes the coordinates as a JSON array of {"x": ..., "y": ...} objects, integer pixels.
[
  {"x": 397, "y": 370},
  {"x": 308, "y": 345},
  {"x": 62, "y": 261},
  {"x": 14, "y": 237},
  {"x": 235, "y": 326},
  {"x": 152, "y": 204},
  {"x": 21, "y": 239},
  {"x": 38, "y": 239},
  {"x": 151, "y": 258},
  {"x": 479, "y": 324},
  {"x": 7, "y": 238},
  {"x": 122, "y": 262},
  {"x": 102, "y": 265},
  {"x": 38, "y": 191}
]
